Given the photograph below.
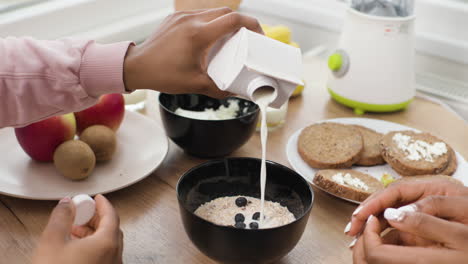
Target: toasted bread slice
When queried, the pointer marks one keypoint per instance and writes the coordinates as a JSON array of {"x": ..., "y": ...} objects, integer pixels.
[
  {"x": 429, "y": 177},
  {"x": 371, "y": 155},
  {"x": 329, "y": 180},
  {"x": 412, "y": 163},
  {"x": 330, "y": 145},
  {"x": 452, "y": 165}
]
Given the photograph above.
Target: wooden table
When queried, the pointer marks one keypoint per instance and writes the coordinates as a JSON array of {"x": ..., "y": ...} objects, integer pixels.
[{"x": 149, "y": 210}]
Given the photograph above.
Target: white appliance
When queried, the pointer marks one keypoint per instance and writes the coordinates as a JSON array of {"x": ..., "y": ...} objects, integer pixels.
[{"x": 373, "y": 67}]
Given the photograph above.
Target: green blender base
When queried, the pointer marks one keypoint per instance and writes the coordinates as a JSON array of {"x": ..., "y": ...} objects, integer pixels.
[{"x": 361, "y": 108}]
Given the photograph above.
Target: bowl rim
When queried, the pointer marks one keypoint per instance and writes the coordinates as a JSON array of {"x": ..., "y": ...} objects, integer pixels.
[
  {"x": 306, "y": 211},
  {"x": 257, "y": 109}
]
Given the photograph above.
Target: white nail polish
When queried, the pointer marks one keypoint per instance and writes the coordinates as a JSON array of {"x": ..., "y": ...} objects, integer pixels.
[
  {"x": 369, "y": 218},
  {"x": 393, "y": 214},
  {"x": 357, "y": 210},
  {"x": 347, "y": 228},
  {"x": 353, "y": 243},
  {"x": 411, "y": 208}
]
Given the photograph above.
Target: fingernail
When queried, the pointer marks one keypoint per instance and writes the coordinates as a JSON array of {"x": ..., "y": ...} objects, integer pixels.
[
  {"x": 353, "y": 243},
  {"x": 65, "y": 200},
  {"x": 347, "y": 228},
  {"x": 411, "y": 208},
  {"x": 357, "y": 210},
  {"x": 369, "y": 218},
  {"x": 393, "y": 214}
]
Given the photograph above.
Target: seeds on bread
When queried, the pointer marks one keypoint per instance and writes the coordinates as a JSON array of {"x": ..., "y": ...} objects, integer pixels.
[
  {"x": 330, "y": 145},
  {"x": 347, "y": 183}
]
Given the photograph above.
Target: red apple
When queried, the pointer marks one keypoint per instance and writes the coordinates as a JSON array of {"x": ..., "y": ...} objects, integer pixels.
[
  {"x": 109, "y": 111},
  {"x": 39, "y": 140}
]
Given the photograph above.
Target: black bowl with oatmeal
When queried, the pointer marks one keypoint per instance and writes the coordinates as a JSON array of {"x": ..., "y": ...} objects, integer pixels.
[
  {"x": 219, "y": 205},
  {"x": 227, "y": 126}
]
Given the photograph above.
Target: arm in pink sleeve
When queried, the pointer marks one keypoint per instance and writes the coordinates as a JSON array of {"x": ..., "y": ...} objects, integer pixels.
[{"x": 39, "y": 79}]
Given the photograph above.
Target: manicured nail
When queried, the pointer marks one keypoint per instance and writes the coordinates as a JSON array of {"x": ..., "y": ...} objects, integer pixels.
[
  {"x": 411, "y": 208},
  {"x": 357, "y": 210},
  {"x": 393, "y": 214},
  {"x": 369, "y": 218},
  {"x": 65, "y": 200},
  {"x": 347, "y": 228},
  {"x": 353, "y": 243}
]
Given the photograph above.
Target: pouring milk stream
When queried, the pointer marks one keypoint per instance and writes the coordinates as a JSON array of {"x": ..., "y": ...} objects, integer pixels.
[
  {"x": 258, "y": 68},
  {"x": 263, "y": 97}
]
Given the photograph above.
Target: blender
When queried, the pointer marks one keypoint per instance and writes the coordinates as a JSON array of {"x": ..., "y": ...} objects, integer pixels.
[{"x": 373, "y": 67}]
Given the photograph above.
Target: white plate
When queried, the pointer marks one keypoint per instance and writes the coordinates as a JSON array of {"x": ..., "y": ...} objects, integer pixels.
[
  {"x": 141, "y": 147},
  {"x": 376, "y": 171}
]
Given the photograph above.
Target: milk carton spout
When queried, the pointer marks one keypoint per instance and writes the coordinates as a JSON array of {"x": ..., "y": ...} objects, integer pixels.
[
  {"x": 246, "y": 61},
  {"x": 263, "y": 86}
]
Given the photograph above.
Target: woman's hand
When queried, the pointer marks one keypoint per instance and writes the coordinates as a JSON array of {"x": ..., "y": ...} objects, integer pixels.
[
  {"x": 174, "y": 59},
  {"x": 399, "y": 194},
  {"x": 98, "y": 242},
  {"x": 437, "y": 227}
]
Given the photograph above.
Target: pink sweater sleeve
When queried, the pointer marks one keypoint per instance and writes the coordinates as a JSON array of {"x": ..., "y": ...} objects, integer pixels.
[{"x": 39, "y": 79}]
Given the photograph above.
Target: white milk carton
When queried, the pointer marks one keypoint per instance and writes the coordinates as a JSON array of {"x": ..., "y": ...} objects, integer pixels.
[{"x": 246, "y": 61}]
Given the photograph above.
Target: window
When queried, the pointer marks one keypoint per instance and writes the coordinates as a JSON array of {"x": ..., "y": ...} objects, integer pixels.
[
  {"x": 440, "y": 24},
  {"x": 105, "y": 20}
]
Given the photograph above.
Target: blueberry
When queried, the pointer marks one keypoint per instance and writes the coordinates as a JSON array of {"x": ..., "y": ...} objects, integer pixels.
[
  {"x": 256, "y": 216},
  {"x": 240, "y": 225},
  {"x": 239, "y": 218},
  {"x": 241, "y": 201},
  {"x": 253, "y": 225}
]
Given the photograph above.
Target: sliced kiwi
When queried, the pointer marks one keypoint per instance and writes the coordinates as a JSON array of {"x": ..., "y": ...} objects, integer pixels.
[
  {"x": 74, "y": 159},
  {"x": 102, "y": 141}
]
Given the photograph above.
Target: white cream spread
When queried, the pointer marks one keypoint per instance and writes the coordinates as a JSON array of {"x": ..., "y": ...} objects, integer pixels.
[
  {"x": 222, "y": 113},
  {"x": 418, "y": 149},
  {"x": 349, "y": 180}
]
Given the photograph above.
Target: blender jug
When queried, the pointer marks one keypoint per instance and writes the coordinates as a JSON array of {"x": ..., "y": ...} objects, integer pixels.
[{"x": 386, "y": 8}]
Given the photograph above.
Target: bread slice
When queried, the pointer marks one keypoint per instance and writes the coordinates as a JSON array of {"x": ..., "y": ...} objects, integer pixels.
[
  {"x": 452, "y": 165},
  {"x": 429, "y": 177},
  {"x": 330, "y": 145},
  {"x": 371, "y": 155},
  {"x": 399, "y": 159},
  {"x": 326, "y": 181}
]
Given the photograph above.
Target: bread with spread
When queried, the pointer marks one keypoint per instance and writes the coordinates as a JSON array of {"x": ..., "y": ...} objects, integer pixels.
[
  {"x": 411, "y": 153},
  {"x": 349, "y": 184},
  {"x": 334, "y": 148}
]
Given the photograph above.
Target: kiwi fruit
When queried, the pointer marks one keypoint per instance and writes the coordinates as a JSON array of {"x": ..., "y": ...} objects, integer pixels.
[
  {"x": 102, "y": 141},
  {"x": 74, "y": 159}
]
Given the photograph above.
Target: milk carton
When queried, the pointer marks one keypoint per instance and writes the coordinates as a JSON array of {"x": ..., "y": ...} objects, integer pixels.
[{"x": 247, "y": 61}]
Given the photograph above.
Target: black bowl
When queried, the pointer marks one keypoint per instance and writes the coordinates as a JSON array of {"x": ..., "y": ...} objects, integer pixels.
[
  {"x": 241, "y": 176},
  {"x": 206, "y": 138}
]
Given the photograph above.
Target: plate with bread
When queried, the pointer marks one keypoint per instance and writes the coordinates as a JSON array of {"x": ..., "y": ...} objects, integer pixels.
[{"x": 351, "y": 158}]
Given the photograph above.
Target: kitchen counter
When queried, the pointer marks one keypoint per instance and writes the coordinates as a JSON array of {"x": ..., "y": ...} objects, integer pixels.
[{"x": 149, "y": 210}]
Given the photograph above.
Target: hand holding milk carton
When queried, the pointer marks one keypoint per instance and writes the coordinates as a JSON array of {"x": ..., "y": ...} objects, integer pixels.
[{"x": 247, "y": 61}]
